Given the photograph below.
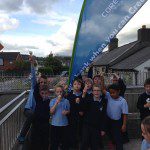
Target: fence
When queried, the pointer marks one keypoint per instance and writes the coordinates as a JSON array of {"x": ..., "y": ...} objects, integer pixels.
[{"x": 11, "y": 124}]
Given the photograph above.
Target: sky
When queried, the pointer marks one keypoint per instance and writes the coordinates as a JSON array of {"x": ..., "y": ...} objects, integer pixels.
[{"x": 45, "y": 26}]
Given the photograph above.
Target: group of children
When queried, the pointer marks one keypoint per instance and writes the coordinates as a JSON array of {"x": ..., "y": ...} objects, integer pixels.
[{"x": 79, "y": 119}]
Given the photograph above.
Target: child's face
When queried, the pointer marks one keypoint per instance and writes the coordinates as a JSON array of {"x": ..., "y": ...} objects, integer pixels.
[
  {"x": 42, "y": 82},
  {"x": 59, "y": 91},
  {"x": 96, "y": 80},
  {"x": 145, "y": 134},
  {"x": 76, "y": 86},
  {"x": 147, "y": 88},
  {"x": 114, "y": 93},
  {"x": 88, "y": 85},
  {"x": 96, "y": 92},
  {"x": 114, "y": 80},
  {"x": 44, "y": 94}
]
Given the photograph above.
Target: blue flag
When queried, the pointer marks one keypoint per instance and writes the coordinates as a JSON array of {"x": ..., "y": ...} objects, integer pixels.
[{"x": 99, "y": 22}]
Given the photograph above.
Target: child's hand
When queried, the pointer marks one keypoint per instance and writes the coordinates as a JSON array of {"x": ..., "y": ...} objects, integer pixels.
[
  {"x": 77, "y": 100},
  {"x": 81, "y": 113},
  {"x": 147, "y": 105},
  {"x": 58, "y": 99},
  {"x": 64, "y": 112},
  {"x": 123, "y": 129},
  {"x": 102, "y": 133},
  {"x": 85, "y": 90}
]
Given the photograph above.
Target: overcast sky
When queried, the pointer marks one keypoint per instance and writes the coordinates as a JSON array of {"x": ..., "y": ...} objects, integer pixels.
[{"x": 43, "y": 26}]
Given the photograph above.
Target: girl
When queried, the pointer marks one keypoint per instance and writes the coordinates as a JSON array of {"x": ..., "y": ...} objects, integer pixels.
[
  {"x": 145, "y": 127},
  {"x": 59, "y": 108}
]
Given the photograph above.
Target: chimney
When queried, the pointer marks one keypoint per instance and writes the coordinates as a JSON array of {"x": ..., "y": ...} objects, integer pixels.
[
  {"x": 113, "y": 44},
  {"x": 144, "y": 34}
]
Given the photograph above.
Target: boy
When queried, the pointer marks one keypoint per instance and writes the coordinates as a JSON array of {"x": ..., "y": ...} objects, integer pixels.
[
  {"x": 31, "y": 103},
  {"x": 75, "y": 118},
  {"x": 116, "y": 107},
  {"x": 40, "y": 122},
  {"x": 94, "y": 119},
  {"x": 143, "y": 103}
]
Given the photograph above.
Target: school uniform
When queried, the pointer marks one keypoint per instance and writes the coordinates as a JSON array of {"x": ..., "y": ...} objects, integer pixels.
[
  {"x": 145, "y": 145},
  {"x": 142, "y": 100},
  {"x": 29, "y": 107},
  {"x": 40, "y": 124},
  {"x": 94, "y": 122},
  {"x": 59, "y": 125},
  {"x": 115, "y": 108},
  {"x": 75, "y": 120}
]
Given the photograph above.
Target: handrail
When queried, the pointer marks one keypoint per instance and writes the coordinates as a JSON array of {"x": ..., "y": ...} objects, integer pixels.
[
  {"x": 12, "y": 111},
  {"x": 11, "y": 102}
]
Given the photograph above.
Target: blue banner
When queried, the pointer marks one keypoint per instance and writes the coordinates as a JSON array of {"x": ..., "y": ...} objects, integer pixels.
[{"x": 99, "y": 22}]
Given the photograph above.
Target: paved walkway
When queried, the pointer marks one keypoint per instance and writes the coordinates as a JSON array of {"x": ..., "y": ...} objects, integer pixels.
[{"x": 134, "y": 144}]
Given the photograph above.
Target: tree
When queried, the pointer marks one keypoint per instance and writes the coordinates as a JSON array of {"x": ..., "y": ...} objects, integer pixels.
[{"x": 54, "y": 63}]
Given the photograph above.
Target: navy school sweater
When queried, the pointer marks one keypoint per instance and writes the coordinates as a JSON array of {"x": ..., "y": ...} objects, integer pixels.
[
  {"x": 142, "y": 100},
  {"x": 94, "y": 112}
]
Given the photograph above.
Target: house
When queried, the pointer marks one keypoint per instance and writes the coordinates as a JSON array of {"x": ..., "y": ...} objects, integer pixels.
[
  {"x": 7, "y": 60},
  {"x": 132, "y": 61},
  {"x": 1, "y": 46}
]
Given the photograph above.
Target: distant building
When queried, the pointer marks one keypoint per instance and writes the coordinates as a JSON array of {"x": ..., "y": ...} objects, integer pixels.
[
  {"x": 132, "y": 59},
  {"x": 7, "y": 60},
  {"x": 1, "y": 46}
]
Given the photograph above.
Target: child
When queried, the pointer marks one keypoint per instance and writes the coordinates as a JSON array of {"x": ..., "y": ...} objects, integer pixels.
[
  {"x": 96, "y": 79},
  {"x": 31, "y": 103},
  {"x": 59, "y": 108},
  {"x": 116, "y": 107},
  {"x": 117, "y": 80},
  {"x": 40, "y": 123},
  {"x": 94, "y": 119},
  {"x": 88, "y": 85},
  {"x": 143, "y": 103},
  {"x": 75, "y": 120},
  {"x": 145, "y": 127}
]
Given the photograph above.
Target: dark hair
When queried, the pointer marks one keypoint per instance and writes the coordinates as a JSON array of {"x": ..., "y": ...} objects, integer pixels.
[
  {"x": 43, "y": 76},
  {"x": 147, "y": 82},
  {"x": 114, "y": 87},
  {"x": 78, "y": 80},
  {"x": 146, "y": 124}
]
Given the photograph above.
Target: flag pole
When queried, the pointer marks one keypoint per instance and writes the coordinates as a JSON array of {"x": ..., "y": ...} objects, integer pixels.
[{"x": 75, "y": 41}]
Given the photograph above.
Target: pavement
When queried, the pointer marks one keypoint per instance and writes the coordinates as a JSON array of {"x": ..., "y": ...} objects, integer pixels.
[{"x": 134, "y": 144}]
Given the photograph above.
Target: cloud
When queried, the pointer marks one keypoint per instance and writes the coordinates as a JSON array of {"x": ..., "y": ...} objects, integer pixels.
[
  {"x": 52, "y": 19},
  {"x": 8, "y": 23},
  {"x": 35, "y": 6},
  {"x": 11, "y": 5}
]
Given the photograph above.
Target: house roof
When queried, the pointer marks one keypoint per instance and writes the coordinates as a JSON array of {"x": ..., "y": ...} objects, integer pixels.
[
  {"x": 1, "y": 46},
  {"x": 108, "y": 57},
  {"x": 9, "y": 55},
  {"x": 125, "y": 57},
  {"x": 134, "y": 60}
]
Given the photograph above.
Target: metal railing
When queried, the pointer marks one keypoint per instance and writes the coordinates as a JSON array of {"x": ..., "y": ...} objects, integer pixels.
[{"x": 11, "y": 124}]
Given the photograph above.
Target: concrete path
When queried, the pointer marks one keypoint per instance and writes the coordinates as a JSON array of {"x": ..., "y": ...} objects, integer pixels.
[{"x": 134, "y": 144}]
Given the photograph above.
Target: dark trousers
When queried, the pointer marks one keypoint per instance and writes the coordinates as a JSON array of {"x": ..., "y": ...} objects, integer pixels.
[
  {"x": 114, "y": 131},
  {"x": 74, "y": 136},
  {"x": 26, "y": 126},
  {"x": 59, "y": 136},
  {"x": 90, "y": 137},
  {"x": 40, "y": 136}
]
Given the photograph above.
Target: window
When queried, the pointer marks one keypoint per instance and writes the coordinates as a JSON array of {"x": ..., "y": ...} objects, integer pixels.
[{"x": 1, "y": 62}]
